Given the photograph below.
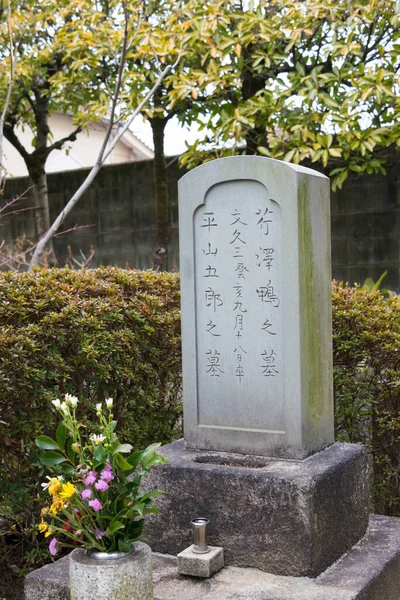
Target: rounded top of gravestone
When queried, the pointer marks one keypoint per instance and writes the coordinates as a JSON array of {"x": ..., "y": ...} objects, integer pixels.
[{"x": 236, "y": 163}]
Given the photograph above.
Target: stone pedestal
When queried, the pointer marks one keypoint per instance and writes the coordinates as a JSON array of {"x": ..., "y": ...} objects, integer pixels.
[
  {"x": 287, "y": 517},
  {"x": 200, "y": 565},
  {"x": 127, "y": 578}
]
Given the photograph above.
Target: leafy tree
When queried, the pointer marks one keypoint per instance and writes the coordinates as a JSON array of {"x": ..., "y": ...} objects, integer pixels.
[
  {"x": 305, "y": 81},
  {"x": 67, "y": 56},
  {"x": 167, "y": 43}
]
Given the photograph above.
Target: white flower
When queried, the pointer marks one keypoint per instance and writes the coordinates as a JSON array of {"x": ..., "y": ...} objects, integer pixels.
[
  {"x": 109, "y": 402},
  {"x": 73, "y": 400},
  {"x": 64, "y": 408},
  {"x": 98, "y": 439},
  {"x": 98, "y": 407},
  {"x": 51, "y": 481},
  {"x": 56, "y": 403}
]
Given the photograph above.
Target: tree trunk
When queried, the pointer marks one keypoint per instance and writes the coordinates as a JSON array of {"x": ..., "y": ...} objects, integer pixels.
[
  {"x": 160, "y": 254},
  {"x": 251, "y": 84},
  {"x": 36, "y": 168},
  {"x": 40, "y": 198}
]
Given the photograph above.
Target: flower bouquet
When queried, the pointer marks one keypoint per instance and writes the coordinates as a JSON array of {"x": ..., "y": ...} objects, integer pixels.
[{"x": 95, "y": 497}]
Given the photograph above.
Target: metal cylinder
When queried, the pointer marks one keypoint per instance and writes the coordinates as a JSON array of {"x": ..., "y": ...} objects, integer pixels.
[{"x": 199, "y": 529}]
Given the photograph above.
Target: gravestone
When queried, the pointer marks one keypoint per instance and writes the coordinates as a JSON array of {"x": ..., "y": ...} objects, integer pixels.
[
  {"x": 256, "y": 308},
  {"x": 258, "y": 458}
]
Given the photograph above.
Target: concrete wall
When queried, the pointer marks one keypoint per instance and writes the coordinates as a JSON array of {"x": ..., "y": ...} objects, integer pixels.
[
  {"x": 365, "y": 218},
  {"x": 120, "y": 206}
]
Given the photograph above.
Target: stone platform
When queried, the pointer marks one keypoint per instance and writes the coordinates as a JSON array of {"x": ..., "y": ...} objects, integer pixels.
[
  {"x": 370, "y": 571},
  {"x": 287, "y": 517}
]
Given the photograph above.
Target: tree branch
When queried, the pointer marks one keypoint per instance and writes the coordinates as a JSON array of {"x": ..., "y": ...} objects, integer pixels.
[
  {"x": 58, "y": 145},
  {"x": 93, "y": 172},
  {"x": 9, "y": 89},
  {"x": 12, "y": 138}
]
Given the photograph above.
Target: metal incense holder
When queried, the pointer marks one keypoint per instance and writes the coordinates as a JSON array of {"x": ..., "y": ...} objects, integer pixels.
[{"x": 199, "y": 529}]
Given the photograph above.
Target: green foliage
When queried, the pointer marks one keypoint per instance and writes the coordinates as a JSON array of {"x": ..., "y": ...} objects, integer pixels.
[
  {"x": 297, "y": 81},
  {"x": 98, "y": 333},
  {"x": 366, "y": 341}
]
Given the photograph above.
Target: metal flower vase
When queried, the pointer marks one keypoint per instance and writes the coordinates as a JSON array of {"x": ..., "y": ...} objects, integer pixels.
[{"x": 113, "y": 576}]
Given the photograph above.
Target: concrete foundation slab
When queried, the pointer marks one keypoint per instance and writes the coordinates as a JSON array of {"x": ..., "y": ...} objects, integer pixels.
[
  {"x": 287, "y": 517},
  {"x": 370, "y": 571}
]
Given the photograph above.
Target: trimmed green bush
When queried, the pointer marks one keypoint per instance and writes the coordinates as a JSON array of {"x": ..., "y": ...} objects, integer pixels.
[
  {"x": 95, "y": 334},
  {"x": 366, "y": 348}
]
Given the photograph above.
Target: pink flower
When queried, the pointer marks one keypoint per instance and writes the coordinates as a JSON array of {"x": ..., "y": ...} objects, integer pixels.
[
  {"x": 53, "y": 547},
  {"x": 106, "y": 474},
  {"x": 95, "y": 504},
  {"x": 101, "y": 485},
  {"x": 91, "y": 478},
  {"x": 86, "y": 494}
]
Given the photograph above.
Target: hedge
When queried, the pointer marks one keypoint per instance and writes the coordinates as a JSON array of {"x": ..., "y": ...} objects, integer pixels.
[
  {"x": 366, "y": 344},
  {"x": 112, "y": 332},
  {"x": 95, "y": 334}
]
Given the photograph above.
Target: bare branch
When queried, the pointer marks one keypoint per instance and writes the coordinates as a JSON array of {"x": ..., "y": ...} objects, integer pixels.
[
  {"x": 117, "y": 88},
  {"x": 9, "y": 90},
  {"x": 93, "y": 172},
  {"x": 74, "y": 228}
]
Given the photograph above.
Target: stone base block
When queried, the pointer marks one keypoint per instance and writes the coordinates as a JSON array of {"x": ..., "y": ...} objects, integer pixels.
[
  {"x": 288, "y": 517},
  {"x": 370, "y": 571},
  {"x": 200, "y": 565}
]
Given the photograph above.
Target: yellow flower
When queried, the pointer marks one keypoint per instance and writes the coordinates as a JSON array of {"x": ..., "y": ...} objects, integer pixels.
[
  {"x": 76, "y": 448},
  {"x": 68, "y": 490},
  {"x": 54, "y": 486},
  {"x": 49, "y": 532},
  {"x": 57, "y": 505},
  {"x": 43, "y": 526}
]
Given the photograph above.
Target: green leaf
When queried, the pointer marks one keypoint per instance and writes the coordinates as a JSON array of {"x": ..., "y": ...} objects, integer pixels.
[
  {"x": 149, "y": 494},
  {"x": 124, "y": 546},
  {"x": 122, "y": 464},
  {"x": 61, "y": 435},
  {"x": 46, "y": 443},
  {"x": 70, "y": 452},
  {"x": 99, "y": 453},
  {"x": 123, "y": 448},
  {"x": 134, "y": 459},
  {"x": 52, "y": 458},
  {"x": 115, "y": 526}
]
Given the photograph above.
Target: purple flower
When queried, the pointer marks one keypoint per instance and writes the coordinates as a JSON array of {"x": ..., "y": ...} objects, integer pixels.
[
  {"x": 91, "y": 478},
  {"x": 95, "y": 504},
  {"x": 107, "y": 473},
  {"x": 86, "y": 494},
  {"x": 53, "y": 547},
  {"x": 101, "y": 485},
  {"x": 98, "y": 534}
]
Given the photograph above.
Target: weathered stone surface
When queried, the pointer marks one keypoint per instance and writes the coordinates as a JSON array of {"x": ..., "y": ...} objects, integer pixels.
[
  {"x": 285, "y": 517},
  {"x": 200, "y": 565},
  {"x": 256, "y": 307},
  {"x": 127, "y": 578},
  {"x": 370, "y": 571},
  {"x": 51, "y": 582}
]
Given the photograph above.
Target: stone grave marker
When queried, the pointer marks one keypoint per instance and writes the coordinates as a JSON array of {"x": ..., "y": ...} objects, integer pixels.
[
  {"x": 256, "y": 307},
  {"x": 257, "y": 376}
]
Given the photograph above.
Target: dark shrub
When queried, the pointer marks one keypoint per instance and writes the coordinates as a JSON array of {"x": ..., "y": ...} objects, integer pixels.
[{"x": 366, "y": 342}]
